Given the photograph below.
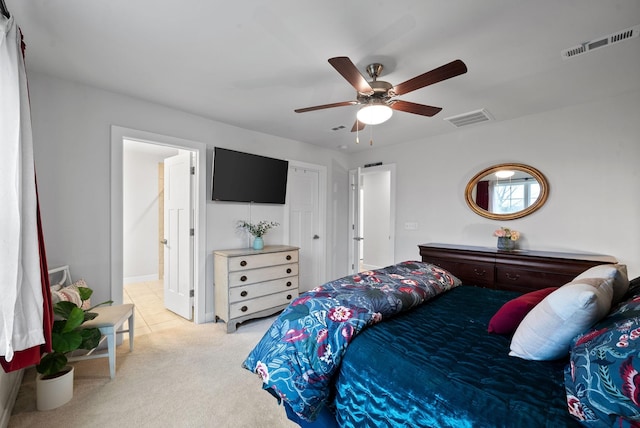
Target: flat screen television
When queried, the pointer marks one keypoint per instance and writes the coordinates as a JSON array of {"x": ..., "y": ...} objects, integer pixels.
[{"x": 245, "y": 177}]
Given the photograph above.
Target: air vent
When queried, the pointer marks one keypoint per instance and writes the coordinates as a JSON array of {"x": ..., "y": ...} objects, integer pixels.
[
  {"x": 470, "y": 118},
  {"x": 585, "y": 47}
]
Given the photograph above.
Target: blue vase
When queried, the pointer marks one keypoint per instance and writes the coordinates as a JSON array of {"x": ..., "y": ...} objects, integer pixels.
[
  {"x": 506, "y": 244},
  {"x": 258, "y": 243}
]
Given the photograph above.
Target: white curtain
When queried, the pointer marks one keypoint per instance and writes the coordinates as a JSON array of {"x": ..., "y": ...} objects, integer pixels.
[{"x": 21, "y": 301}]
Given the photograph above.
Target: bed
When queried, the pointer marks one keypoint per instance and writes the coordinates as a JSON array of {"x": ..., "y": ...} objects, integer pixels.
[{"x": 409, "y": 346}]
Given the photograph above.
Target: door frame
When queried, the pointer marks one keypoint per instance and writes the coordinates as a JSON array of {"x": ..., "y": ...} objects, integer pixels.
[
  {"x": 355, "y": 205},
  {"x": 322, "y": 213},
  {"x": 118, "y": 134}
]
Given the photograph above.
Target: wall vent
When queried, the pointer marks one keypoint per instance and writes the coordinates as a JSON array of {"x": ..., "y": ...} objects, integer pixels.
[
  {"x": 469, "y": 118},
  {"x": 629, "y": 33}
]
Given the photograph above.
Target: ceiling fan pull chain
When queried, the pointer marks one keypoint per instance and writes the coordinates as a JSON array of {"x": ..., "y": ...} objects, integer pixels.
[
  {"x": 357, "y": 135},
  {"x": 371, "y": 138}
]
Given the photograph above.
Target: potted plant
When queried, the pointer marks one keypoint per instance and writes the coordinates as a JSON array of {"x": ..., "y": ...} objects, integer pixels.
[
  {"x": 54, "y": 383},
  {"x": 257, "y": 230}
]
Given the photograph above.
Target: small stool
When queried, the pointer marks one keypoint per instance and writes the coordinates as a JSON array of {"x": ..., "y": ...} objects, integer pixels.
[{"x": 109, "y": 321}]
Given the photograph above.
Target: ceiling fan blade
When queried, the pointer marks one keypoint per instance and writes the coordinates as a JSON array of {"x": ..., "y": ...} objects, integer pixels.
[
  {"x": 447, "y": 71},
  {"x": 349, "y": 71},
  {"x": 414, "y": 108},
  {"x": 340, "y": 104},
  {"x": 357, "y": 126}
]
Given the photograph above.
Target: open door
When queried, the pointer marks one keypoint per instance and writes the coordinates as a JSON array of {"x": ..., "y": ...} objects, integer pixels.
[
  {"x": 355, "y": 231},
  {"x": 178, "y": 241},
  {"x": 372, "y": 217}
]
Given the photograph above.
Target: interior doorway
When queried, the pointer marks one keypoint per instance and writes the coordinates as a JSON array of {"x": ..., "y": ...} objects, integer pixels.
[
  {"x": 372, "y": 217},
  {"x": 198, "y": 218},
  {"x": 145, "y": 233}
]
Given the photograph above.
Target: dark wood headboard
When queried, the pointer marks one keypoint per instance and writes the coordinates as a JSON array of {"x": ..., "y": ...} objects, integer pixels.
[{"x": 519, "y": 270}]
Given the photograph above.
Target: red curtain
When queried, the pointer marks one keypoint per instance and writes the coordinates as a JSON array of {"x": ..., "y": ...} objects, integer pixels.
[{"x": 482, "y": 195}]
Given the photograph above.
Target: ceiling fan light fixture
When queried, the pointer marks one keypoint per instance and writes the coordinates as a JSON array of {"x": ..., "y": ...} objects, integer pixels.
[{"x": 374, "y": 114}]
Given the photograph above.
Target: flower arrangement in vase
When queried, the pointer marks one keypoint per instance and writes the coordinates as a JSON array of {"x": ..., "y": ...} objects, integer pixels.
[
  {"x": 257, "y": 230},
  {"x": 506, "y": 238}
]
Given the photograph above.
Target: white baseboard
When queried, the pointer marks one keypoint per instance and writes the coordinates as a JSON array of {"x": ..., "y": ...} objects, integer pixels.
[
  {"x": 14, "y": 380},
  {"x": 140, "y": 278},
  {"x": 370, "y": 267},
  {"x": 209, "y": 317}
]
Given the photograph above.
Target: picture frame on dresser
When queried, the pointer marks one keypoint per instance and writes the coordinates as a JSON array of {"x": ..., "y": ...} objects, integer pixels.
[{"x": 253, "y": 284}]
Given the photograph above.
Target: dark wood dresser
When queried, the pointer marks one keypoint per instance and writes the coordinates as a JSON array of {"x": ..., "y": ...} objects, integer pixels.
[{"x": 519, "y": 270}]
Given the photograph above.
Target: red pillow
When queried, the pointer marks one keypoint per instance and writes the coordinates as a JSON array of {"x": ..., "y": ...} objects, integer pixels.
[{"x": 509, "y": 316}]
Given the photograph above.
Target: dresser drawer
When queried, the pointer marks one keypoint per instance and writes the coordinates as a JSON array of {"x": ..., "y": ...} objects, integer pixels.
[
  {"x": 247, "y": 307},
  {"x": 261, "y": 260},
  {"x": 475, "y": 273},
  {"x": 263, "y": 274},
  {"x": 251, "y": 291},
  {"x": 525, "y": 280}
]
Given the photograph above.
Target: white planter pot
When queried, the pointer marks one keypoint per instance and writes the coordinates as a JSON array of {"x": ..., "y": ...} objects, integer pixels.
[{"x": 52, "y": 393}]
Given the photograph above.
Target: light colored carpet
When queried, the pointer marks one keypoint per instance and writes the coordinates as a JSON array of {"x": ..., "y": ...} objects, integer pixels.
[{"x": 189, "y": 376}]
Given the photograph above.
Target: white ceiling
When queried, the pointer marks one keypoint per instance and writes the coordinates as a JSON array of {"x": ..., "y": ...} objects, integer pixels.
[{"x": 250, "y": 63}]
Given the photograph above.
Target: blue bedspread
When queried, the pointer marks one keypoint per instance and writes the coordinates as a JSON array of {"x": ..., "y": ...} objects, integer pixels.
[{"x": 302, "y": 350}]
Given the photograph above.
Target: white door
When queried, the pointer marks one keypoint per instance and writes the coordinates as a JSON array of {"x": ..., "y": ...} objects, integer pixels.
[
  {"x": 305, "y": 231},
  {"x": 178, "y": 254},
  {"x": 355, "y": 221},
  {"x": 372, "y": 217}
]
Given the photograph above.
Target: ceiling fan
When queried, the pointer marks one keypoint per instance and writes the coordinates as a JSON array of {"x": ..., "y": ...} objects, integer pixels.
[{"x": 379, "y": 95}]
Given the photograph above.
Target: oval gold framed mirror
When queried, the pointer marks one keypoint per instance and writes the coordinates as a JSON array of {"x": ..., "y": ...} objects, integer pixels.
[{"x": 507, "y": 191}]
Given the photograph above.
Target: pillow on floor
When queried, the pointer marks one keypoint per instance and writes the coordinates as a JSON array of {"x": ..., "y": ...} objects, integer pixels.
[
  {"x": 547, "y": 330},
  {"x": 511, "y": 314}
]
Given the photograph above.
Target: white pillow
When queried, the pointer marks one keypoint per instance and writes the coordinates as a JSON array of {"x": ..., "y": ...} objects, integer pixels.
[
  {"x": 618, "y": 272},
  {"x": 547, "y": 330}
]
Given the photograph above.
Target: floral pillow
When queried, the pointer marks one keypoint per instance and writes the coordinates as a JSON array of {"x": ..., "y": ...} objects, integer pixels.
[{"x": 602, "y": 378}]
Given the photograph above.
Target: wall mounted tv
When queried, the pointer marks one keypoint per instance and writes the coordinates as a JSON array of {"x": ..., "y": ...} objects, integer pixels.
[{"x": 245, "y": 177}]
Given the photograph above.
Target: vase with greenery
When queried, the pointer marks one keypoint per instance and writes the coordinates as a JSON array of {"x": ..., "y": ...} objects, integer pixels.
[
  {"x": 257, "y": 230},
  {"x": 507, "y": 238}
]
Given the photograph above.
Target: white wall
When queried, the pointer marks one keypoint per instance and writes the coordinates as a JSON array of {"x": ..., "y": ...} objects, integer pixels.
[
  {"x": 71, "y": 127},
  {"x": 140, "y": 209},
  {"x": 589, "y": 153}
]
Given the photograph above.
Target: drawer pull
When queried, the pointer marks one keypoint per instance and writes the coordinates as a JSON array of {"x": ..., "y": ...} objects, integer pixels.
[
  {"x": 289, "y": 296},
  {"x": 512, "y": 278},
  {"x": 479, "y": 272},
  {"x": 244, "y": 293},
  {"x": 243, "y": 278},
  {"x": 243, "y": 263},
  {"x": 288, "y": 283},
  {"x": 244, "y": 309},
  {"x": 289, "y": 257},
  {"x": 289, "y": 270}
]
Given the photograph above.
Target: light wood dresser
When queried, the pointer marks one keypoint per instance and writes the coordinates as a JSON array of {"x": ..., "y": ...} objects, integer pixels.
[{"x": 254, "y": 283}]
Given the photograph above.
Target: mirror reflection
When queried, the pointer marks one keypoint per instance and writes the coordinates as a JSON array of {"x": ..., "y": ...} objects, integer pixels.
[{"x": 506, "y": 191}]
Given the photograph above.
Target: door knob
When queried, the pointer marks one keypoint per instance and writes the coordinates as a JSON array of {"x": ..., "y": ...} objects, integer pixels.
[
  {"x": 164, "y": 241},
  {"x": 358, "y": 238},
  {"x": 316, "y": 237}
]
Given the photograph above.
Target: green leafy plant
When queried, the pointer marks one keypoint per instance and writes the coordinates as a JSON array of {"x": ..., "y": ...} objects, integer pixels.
[
  {"x": 257, "y": 229},
  {"x": 68, "y": 335}
]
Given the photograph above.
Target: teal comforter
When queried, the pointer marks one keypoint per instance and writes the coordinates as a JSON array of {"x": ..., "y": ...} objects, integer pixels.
[
  {"x": 302, "y": 350},
  {"x": 436, "y": 366}
]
